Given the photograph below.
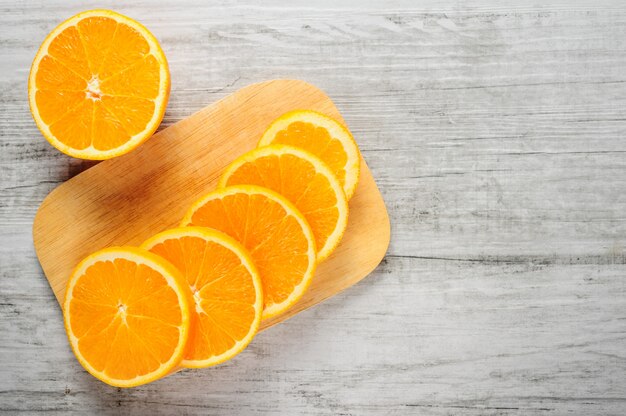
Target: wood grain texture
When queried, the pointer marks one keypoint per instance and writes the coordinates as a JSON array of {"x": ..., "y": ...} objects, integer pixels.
[
  {"x": 496, "y": 134},
  {"x": 126, "y": 200}
]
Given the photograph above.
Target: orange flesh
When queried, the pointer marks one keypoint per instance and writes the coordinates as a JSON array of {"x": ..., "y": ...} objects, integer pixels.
[
  {"x": 297, "y": 180},
  {"x": 97, "y": 84},
  {"x": 126, "y": 317},
  {"x": 273, "y": 238},
  {"x": 318, "y": 141},
  {"x": 223, "y": 291}
]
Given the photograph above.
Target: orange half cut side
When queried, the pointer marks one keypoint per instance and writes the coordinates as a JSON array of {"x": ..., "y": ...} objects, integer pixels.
[{"x": 99, "y": 85}]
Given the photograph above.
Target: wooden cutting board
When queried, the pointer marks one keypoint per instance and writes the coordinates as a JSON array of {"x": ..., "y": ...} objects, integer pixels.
[{"x": 125, "y": 200}]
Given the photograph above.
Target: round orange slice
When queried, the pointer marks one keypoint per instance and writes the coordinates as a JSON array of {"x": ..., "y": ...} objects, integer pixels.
[
  {"x": 226, "y": 288},
  {"x": 273, "y": 231},
  {"x": 304, "y": 180},
  {"x": 127, "y": 315},
  {"x": 324, "y": 137},
  {"x": 99, "y": 85}
]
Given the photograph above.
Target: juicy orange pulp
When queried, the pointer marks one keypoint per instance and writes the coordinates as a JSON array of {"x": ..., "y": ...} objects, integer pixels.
[
  {"x": 226, "y": 289},
  {"x": 273, "y": 231},
  {"x": 98, "y": 85},
  {"x": 322, "y": 136},
  {"x": 304, "y": 180},
  {"x": 127, "y": 315}
]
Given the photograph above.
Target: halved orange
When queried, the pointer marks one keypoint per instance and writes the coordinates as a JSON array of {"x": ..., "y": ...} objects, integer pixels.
[
  {"x": 324, "y": 137},
  {"x": 99, "y": 85},
  {"x": 127, "y": 315},
  {"x": 226, "y": 289},
  {"x": 273, "y": 231},
  {"x": 304, "y": 180}
]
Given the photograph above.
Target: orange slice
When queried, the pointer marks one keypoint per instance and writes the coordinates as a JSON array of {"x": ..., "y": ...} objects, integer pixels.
[
  {"x": 304, "y": 180},
  {"x": 127, "y": 315},
  {"x": 273, "y": 231},
  {"x": 322, "y": 136},
  {"x": 98, "y": 85},
  {"x": 226, "y": 290}
]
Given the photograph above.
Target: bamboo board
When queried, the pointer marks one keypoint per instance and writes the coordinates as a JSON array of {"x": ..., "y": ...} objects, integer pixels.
[{"x": 125, "y": 200}]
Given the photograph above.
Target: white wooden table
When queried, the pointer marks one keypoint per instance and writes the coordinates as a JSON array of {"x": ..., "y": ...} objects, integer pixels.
[{"x": 497, "y": 134}]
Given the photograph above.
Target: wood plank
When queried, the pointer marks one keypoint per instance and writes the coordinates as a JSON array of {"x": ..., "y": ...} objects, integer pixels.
[{"x": 495, "y": 131}]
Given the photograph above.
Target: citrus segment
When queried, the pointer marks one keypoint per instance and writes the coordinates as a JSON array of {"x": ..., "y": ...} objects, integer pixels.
[
  {"x": 77, "y": 123},
  {"x": 127, "y": 316},
  {"x": 51, "y": 101},
  {"x": 273, "y": 231},
  {"x": 321, "y": 136},
  {"x": 226, "y": 289},
  {"x": 304, "y": 180},
  {"x": 137, "y": 48},
  {"x": 96, "y": 34},
  {"x": 98, "y": 85},
  {"x": 53, "y": 75},
  {"x": 140, "y": 80},
  {"x": 69, "y": 50}
]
